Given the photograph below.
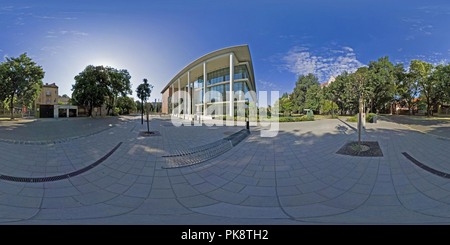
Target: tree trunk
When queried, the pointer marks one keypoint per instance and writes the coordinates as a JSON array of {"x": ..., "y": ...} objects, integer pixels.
[
  {"x": 11, "y": 106},
  {"x": 142, "y": 112},
  {"x": 361, "y": 109},
  {"x": 148, "y": 126}
]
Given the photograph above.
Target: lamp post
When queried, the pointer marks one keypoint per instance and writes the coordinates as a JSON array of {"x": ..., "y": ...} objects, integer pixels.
[{"x": 247, "y": 112}]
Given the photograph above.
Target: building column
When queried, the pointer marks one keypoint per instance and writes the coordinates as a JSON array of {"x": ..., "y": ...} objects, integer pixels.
[
  {"x": 173, "y": 92},
  {"x": 231, "y": 98},
  {"x": 189, "y": 99},
  {"x": 179, "y": 97},
  {"x": 205, "y": 78}
]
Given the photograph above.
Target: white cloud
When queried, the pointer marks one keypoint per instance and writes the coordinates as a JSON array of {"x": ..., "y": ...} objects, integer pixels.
[
  {"x": 75, "y": 33},
  {"x": 323, "y": 63},
  {"x": 266, "y": 85}
]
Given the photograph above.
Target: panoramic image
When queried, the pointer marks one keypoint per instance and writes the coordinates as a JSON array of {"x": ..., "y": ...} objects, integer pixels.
[{"x": 224, "y": 113}]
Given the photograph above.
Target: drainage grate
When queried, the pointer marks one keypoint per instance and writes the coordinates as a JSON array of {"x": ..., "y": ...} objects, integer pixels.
[
  {"x": 62, "y": 176},
  {"x": 188, "y": 157},
  {"x": 425, "y": 167}
]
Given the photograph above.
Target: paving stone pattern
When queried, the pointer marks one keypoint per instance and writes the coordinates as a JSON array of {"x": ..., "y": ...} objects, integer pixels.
[{"x": 293, "y": 178}]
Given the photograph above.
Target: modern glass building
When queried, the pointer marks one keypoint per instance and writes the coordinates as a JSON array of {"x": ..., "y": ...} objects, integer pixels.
[{"x": 211, "y": 80}]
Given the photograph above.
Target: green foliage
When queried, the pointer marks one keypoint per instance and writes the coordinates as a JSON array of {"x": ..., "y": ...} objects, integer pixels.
[
  {"x": 299, "y": 95},
  {"x": 328, "y": 107},
  {"x": 313, "y": 98},
  {"x": 370, "y": 117},
  {"x": 296, "y": 119},
  {"x": 143, "y": 92},
  {"x": 119, "y": 83},
  {"x": 20, "y": 80},
  {"x": 380, "y": 83},
  {"x": 353, "y": 118},
  {"x": 421, "y": 73},
  {"x": 285, "y": 104},
  {"x": 125, "y": 105},
  {"x": 96, "y": 85},
  {"x": 90, "y": 87}
]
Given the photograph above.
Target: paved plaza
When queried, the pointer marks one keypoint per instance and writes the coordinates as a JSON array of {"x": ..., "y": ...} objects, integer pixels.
[{"x": 294, "y": 178}]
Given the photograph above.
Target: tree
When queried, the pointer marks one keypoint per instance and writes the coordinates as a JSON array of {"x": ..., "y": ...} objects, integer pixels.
[
  {"x": 328, "y": 106},
  {"x": 360, "y": 77},
  {"x": 405, "y": 87},
  {"x": 125, "y": 105},
  {"x": 313, "y": 98},
  {"x": 90, "y": 87},
  {"x": 420, "y": 72},
  {"x": 301, "y": 87},
  {"x": 284, "y": 104},
  {"x": 342, "y": 92},
  {"x": 380, "y": 85},
  {"x": 441, "y": 91},
  {"x": 20, "y": 80},
  {"x": 118, "y": 83},
  {"x": 143, "y": 92},
  {"x": 444, "y": 84}
]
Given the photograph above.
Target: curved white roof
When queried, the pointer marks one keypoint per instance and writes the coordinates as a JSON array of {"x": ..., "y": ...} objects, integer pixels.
[{"x": 241, "y": 53}]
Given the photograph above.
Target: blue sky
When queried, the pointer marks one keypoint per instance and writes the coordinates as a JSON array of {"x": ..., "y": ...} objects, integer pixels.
[{"x": 156, "y": 39}]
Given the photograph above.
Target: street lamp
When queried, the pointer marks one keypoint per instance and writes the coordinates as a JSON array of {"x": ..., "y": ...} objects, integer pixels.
[{"x": 247, "y": 112}]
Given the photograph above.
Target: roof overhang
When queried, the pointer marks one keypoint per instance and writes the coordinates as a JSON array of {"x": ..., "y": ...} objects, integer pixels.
[{"x": 215, "y": 60}]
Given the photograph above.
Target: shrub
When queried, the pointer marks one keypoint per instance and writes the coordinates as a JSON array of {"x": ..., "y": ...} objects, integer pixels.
[
  {"x": 353, "y": 119},
  {"x": 296, "y": 119},
  {"x": 370, "y": 116}
]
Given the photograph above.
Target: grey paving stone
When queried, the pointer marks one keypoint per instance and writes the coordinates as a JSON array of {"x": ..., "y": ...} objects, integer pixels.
[
  {"x": 383, "y": 188},
  {"x": 405, "y": 189},
  {"x": 330, "y": 192},
  {"x": 313, "y": 210},
  {"x": 162, "y": 206},
  {"x": 32, "y": 192},
  {"x": 116, "y": 188},
  {"x": 261, "y": 201},
  {"x": 418, "y": 201},
  {"x": 230, "y": 210},
  {"x": 205, "y": 187},
  {"x": 383, "y": 200},
  {"x": 94, "y": 211},
  {"x": 312, "y": 186},
  {"x": 258, "y": 191},
  {"x": 302, "y": 199},
  {"x": 227, "y": 196},
  {"x": 245, "y": 180},
  {"x": 61, "y": 192},
  {"x": 182, "y": 190},
  {"x": 197, "y": 201},
  {"x": 139, "y": 190},
  {"x": 125, "y": 201},
  {"x": 95, "y": 197},
  {"x": 161, "y": 194},
  {"x": 60, "y": 203},
  {"x": 12, "y": 212},
  {"x": 20, "y": 201}
]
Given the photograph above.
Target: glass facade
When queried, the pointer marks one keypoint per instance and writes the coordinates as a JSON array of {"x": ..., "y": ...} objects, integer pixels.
[{"x": 223, "y": 75}]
